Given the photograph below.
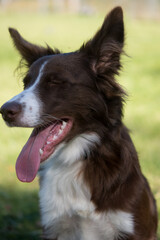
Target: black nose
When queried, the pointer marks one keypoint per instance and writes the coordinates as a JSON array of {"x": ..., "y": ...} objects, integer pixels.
[{"x": 10, "y": 111}]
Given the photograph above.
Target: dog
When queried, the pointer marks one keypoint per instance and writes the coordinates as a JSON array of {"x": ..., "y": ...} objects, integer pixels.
[{"x": 91, "y": 184}]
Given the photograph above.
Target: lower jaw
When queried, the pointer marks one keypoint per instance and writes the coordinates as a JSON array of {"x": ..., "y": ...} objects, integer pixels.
[{"x": 50, "y": 154}]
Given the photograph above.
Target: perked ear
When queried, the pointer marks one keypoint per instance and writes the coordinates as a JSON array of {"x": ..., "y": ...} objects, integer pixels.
[
  {"x": 105, "y": 47},
  {"x": 29, "y": 52}
]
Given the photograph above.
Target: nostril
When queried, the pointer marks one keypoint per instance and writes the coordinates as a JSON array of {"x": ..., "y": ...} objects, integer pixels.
[
  {"x": 10, "y": 110},
  {"x": 11, "y": 113}
]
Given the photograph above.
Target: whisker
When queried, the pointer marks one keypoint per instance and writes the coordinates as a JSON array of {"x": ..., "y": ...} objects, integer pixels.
[
  {"x": 48, "y": 116},
  {"x": 47, "y": 120}
]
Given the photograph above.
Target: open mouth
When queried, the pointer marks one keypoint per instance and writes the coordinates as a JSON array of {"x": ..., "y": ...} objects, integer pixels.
[{"x": 39, "y": 147}]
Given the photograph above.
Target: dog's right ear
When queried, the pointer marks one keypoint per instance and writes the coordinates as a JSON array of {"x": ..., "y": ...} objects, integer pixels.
[
  {"x": 29, "y": 52},
  {"x": 105, "y": 48}
]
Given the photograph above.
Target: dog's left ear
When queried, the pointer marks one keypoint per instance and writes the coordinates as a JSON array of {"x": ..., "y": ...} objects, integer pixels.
[
  {"x": 105, "y": 47},
  {"x": 29, "y": 52}
]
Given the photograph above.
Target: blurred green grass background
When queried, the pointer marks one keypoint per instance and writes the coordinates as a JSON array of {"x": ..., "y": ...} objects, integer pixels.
[{"x": 19, "y": 211}]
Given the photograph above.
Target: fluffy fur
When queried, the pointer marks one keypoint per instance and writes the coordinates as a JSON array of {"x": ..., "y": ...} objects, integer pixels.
[{"x": 91, "y": 187}]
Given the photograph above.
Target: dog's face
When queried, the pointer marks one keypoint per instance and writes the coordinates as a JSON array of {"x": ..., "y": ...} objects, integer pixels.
[
  {"x": 54, "y": 88},
  {"x": 68, "y": 94}
]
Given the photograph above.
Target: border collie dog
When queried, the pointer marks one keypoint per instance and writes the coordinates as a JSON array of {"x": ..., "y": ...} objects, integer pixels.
[{"x": 91, "y": 185}]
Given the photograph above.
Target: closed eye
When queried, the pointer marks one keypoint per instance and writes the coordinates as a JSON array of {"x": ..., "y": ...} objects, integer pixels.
[
  {"x": 52, "y": 80},
  {"x": 55, "y": 79}
]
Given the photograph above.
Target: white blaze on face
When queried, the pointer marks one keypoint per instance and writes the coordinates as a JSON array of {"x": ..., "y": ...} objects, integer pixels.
[{"x": 30, "y": 102}]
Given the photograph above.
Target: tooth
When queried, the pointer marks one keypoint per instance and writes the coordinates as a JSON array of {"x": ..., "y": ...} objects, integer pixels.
[
  {"x": 40, "y": 151},
  {"x": 60, "y": 131},
  {"x": 63, "y": 125},
  {"x": 54, "y": 137},
  {"x": 48, "y": 142}
]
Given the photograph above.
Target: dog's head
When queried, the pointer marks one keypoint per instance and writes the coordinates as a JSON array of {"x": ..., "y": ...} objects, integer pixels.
[{"x": 68, "y": 94}]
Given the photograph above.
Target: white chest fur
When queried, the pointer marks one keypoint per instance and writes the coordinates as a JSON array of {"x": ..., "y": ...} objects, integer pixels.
[{"x": 65, "y": 203}]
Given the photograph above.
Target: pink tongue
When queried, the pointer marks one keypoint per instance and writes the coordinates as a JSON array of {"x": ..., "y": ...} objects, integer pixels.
[{"x": 28, "y": 161}]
